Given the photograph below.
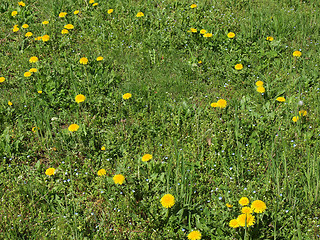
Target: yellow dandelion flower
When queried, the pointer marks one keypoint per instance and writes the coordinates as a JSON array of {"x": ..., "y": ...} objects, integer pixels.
[
  {"x": 50, "y": 171},
  {"x": 301, "y": 112},
  {"x": 247, "y": 210},
  {"x": 83, "y": 61},
  {"x": 259, "y": 83},
  {"x": 244, "y": 201},
  {"x": 15, "y": 28},
  {"x": 73, "y": 127},
  {"x": 193, "y": 5},
  {"x": 193, "y": 30},
  {"x": 167, "y": 201},
  {"x": 34, "y": 129},
  {"x": 45, "y": 38},
  {"x": 45, "y": 22},
  {"x": 76, "y": 12},
  {"x": 80, "y": 98},
  {"x": 261, "y": 89},
  {"x": 126, "y": 96},
  {"x": 207, "y": 35},
  {"x": 222, "y": 103},
  {"x": 203, "y": 31},
  {"x": 238, "y": 66},
  {"x": 118, "y": 179},
  {"x": 2, "y": 79},
  {"x": 231, "y": 35},
  {"x": 38, "y": 38},
  {"x": 33, "y": 59},
  {"x": 295, "y": 118},
  {"x": 140, "y": 14},
  {"x": 65, "y": 31},
  {"x": 246, "y": 219},
  {"x": 9, "y": 103},
  {"x": 14, "y": 13},
  {"x": 102, "y": 172},
  {"x": 103, "y": 148},
  {"x": 229, "y": 205},
  {"x": 146, "y": 157},
  {"x": 27, "y": 74},
  {"x": 281, "y": 99},
  {"x": 110, "y": 11},
  {"x": 258, "y": 206},
  {"x": 194, "y": 235},
  {"x": 91, "y": 1},
  {"x": 40, "y": 92},
  {"x": 99, "y": 58},
  {"x": 214, "y": 104},
  {"x": 234, "y": 223},
  {"x": 69, "y": 26},
  {"x": 28, "y": 34},
  {"x": 297, "y": 54},
  {"x": 95, "y": 4},
  {"x": 25, "y": 26},
  {"x": 22, "y": 4},
  {"x": 62, "y": 14},
  {"x": 270, "y": 39},
  {"x": 33, "y": 70}
]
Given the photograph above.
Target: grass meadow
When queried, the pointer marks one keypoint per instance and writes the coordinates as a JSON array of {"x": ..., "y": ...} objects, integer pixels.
[{"x": 131, "y": 119}]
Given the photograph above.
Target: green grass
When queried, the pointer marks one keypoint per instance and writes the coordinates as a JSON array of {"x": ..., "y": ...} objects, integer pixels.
[{"x": 205, "y": 157}]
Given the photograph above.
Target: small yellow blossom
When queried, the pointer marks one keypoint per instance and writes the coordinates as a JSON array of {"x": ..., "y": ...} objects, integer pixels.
[
  {"x": 76, "y": 12},
  {"x": 119, "y": 179},
  {"x": 193, "y": 30},
  {"x": 261, "y": 89},
  {"x": 203, "y": 31},
  {"x": 83, "y": 61},
  {"x": 33, "y": 59},
  {"x": 297, "y": 54},
  {"x": 146, "y": 157},
  {"x": 301, "y": 112},
  {"x": 194, "y": 235},
  {"x": 258, "y": 206},
  {"x": 234, "y": 223},
  {"x": 110, "y": 11},
  {"x": 28, "y": 34},
  {"x": 244, "y": 201},
  {"x": 15, "y": 28},
  {"x": 25, "y": 26},
  {"x": 140, "y": 14},
  {"x": 69, "y": 26},
  {"x": 103, "y": 148},
  {"x": 193, "y": 6},
  {"x": 45, "y": 22},
  {"x": 22, "y": 4},
  {"x": 14, "y": 13},
  {"x": 73, "y": 127},
  {"x": 40, "y": 92},
  {"x": 214, "y": 104},
  {"x": 247, "y": 210},
  {"x": 281, "y": 99},
  {"x": 50, "y": 171},
  {"x": 102, "y": 172},
  {"x": 33, "y": 70},
  {"x": 229, "y": 205},
  {"x": 64, "y": 31},
  {"x": 246, "y": 220},
  {"x": 295, "y": 118},
  {"x": 126, "y": 96},
  {"x": 270, "y": 39},
  {"x": 27, "y": 74},
  {"x": 80, "y": 98},
  {"x": 167, "y": 201},
  {"x": 2, "y": 79},
  {"x": 238, "y": 66},
  {"x": 91, "y": 1},
  {"x": 9, "y": 103},
  {"x": 231, "y": 35},
  {"x": 207, "y": 35},
  {"x": 222, "y": 103},
  {"x": 38, "y": 38},
  {"x": 259, "y": 83},
  {"x": 62, "y": 14},
  {"x": 99, "y": 58},
  {"x": 95, "y": 4},
  {"x": 45, "y": 38}
]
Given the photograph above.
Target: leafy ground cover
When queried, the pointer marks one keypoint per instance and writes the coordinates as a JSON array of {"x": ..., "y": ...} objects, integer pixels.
[{"x": 159, "y": 119}]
